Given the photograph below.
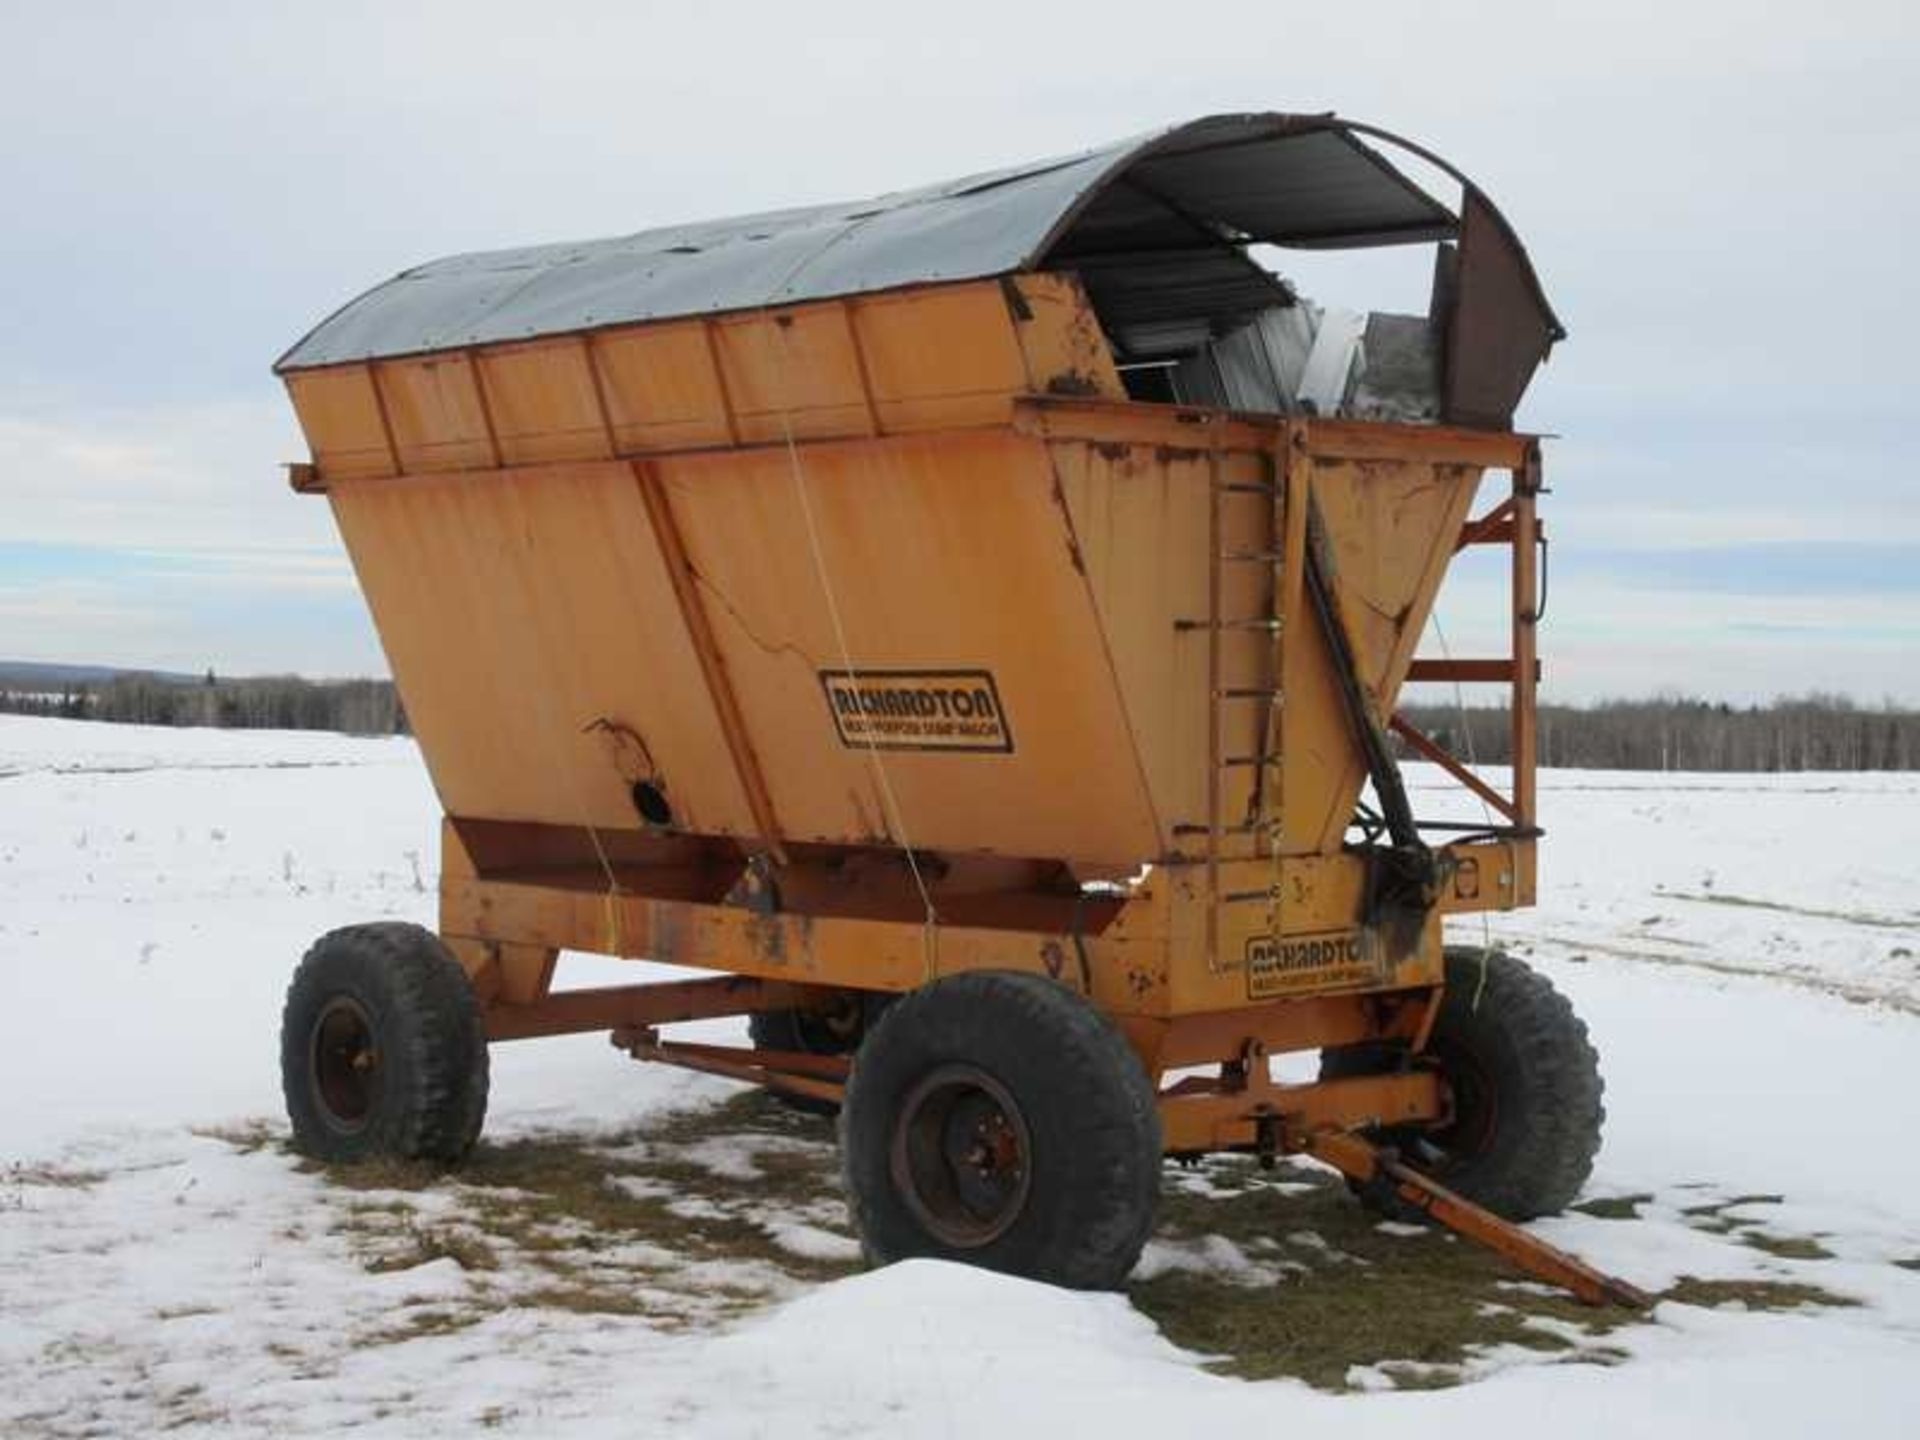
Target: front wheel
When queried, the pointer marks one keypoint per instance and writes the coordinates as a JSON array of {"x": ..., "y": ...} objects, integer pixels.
[
  {"x": 382, "y": 1050},
  {"x": 1000, "y": 1120},
  {"x": 1525, "y": 1085}
]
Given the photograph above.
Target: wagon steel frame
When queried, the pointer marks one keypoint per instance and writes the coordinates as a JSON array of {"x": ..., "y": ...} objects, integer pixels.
[{"x": 1255, "y": 929}]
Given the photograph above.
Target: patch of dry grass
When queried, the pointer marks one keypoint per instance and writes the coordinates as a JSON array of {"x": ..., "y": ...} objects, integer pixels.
[
  {"x": 1714, "y": 1218},
  {"x": 1419, "y": 1305},
  {"x": 673, "y": 1222},
  {"x": 1417, "y": 1308},
  {"x": 1754, "y": 1294},
  {"x": 246, "y": 1136},
  {"x": 1785, "y": 1247},
  {"x": 425, "y": 1322},
  {"x": 53, "y": 1177},
  {"x": 1613, "y": 1207},
  {"x": 667, "y": 1221},
  {"x": 406, "y": 1242},
  {"x": 184, "y": 1312}
]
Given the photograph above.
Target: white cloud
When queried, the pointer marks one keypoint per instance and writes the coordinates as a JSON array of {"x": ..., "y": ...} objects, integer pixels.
[
  {"x": 67, "y": 620},
  {"x": 1595, "y": 524},
  {"x": 189, "y": 479},
  {"x": 245, "y": 571},
  {"x": 1602, "y": 639}
]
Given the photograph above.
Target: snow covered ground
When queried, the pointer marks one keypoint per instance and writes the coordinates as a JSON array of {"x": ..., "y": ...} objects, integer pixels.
[{"x": 637, "y": 1250}]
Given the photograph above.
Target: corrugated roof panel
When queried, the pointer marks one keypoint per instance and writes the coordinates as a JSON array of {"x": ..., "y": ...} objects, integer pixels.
[
  {"x": 1278, "y": 178},
  {"x": 1296, "y": 187}
]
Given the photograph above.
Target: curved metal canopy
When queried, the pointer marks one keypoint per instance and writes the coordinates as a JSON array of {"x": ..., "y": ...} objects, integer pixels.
[{"x": 1179, "y": 203}]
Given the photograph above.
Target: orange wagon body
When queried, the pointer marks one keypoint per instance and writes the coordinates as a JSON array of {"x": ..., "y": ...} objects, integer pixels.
[{"x": 853, "y": 599}]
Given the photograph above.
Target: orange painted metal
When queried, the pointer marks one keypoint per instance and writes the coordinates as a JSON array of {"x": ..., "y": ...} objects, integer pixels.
[
  {"x": 618, "y": 1007},
  {"x": 905, "y": 624},
  {"x": 1467, "y": 671},
  {"x": 842, "y": 646},
  {"x": 1255, "y": 1114},
  {"x": 1428, "y": 749},
  {"x": 816, "y": 1077},
  {"x": 1366, "y": 1165},
  {"x": 1494, "y": 527},
  {"x": 1523, "y": 708},
  {"x": 720, "y": 690},
  {"x": 1307, "y": 1023}
]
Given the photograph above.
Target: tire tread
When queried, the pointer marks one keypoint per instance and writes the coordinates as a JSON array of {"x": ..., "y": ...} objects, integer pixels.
[
  {"x": 434, "y": 1045},
  {"x": 1090, "y": 1233}
]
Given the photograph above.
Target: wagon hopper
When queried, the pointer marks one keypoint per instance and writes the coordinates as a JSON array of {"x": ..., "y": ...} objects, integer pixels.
[{"x": 968, "y": 623}]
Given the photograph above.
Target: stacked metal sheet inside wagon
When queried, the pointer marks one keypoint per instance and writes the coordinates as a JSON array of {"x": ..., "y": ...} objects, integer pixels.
[{"x": 969, "y": 622}]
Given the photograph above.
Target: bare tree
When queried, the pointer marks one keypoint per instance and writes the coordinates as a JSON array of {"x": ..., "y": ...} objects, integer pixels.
[{"x": 1810, "y": 732}]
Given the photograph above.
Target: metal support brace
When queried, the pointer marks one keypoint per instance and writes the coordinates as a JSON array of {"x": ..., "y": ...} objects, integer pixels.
[
  {"x": 791, "y": 1072},
  {"x": 1365, "y": 1165}
]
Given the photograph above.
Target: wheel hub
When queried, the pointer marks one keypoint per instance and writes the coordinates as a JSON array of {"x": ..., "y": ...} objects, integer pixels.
[
  {"x": 346, "y": 1064},
  {"x": 960, "y": 1156},
  {"x": 1473, "y": 1112}
]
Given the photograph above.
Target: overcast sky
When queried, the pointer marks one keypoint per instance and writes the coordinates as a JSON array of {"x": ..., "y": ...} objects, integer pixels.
[{"x": 1720, "y": 198}]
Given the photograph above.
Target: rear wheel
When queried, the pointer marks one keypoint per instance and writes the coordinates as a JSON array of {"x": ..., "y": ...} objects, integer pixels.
[
  {"x": 1000, "y": 1120},
  {"x": 382, "y": 1049},
  {"x": 835, "y": 1030},
  {"x": 1525, "y": 1087}
]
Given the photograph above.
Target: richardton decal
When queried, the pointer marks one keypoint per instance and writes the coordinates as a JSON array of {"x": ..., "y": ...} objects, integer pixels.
[
  {"x": 1312, "y": 962},
  {"x": 918, "y": 710}
]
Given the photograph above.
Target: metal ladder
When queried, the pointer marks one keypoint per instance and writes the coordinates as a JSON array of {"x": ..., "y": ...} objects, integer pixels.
[{"x": 1263, "y": 691}]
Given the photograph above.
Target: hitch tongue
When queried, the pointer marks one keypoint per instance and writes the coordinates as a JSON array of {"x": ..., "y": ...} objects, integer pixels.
[{"x": 1366, "y": 1165}]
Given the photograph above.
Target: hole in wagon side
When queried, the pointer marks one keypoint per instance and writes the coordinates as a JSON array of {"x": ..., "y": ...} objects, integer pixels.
[{"x": 650, "y": 799}]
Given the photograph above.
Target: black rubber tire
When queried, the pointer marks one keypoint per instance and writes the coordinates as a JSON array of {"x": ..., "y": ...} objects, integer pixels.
[
  {"x": 425, "y": 1095},
  {"x": 812, "y": 1034},
  {"x": 1087, "y": 1105},
  {"x": 1526, "y": 1086}
]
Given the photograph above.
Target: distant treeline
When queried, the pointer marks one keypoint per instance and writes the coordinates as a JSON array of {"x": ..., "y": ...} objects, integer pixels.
[
  {"x": 1812, "y": 732},
  {"x": 269, "y": 702}
]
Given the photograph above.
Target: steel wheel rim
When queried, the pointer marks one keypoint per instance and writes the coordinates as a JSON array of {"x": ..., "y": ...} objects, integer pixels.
[
  {"x": 1475, "y": 1104},
  {"x": 961, "y": 1156},
  {"x": 344, "y": 1068}
]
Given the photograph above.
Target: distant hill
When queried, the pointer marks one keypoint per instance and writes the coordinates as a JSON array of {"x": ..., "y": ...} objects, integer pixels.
[{"x": 34, "y": 674}]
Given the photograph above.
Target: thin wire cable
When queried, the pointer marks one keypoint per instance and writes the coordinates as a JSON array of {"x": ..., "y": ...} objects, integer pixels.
[
  {"x": 585, "y": 811},
  {"x": 889, "y": 801},
  {"x": 612, "y": 900},
  {"x": 544, "y": 697}
]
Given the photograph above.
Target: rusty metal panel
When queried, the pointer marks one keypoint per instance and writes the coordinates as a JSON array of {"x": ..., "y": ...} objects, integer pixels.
[
  {"x": 797, "y": 374},
  {"x": 344, "y": 421},
  {"x": 542, "y": 400},
  {"x": 437, "y": 416},
  {"x": 831, "y": 369},
  {"x": 1390, "y": 523},
  {"x": 963, "y": 380},
  {"x": 1501, "y": 327},
  {"x": 1138, "y": 503},
  {"x": 519, "y": 607},
  {"x": 663, "y": 388},
  {"x": 875, "y": 603}
]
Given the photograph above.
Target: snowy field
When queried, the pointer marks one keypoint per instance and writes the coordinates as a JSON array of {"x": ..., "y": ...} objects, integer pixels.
[{"x": 638, "y": 1251}]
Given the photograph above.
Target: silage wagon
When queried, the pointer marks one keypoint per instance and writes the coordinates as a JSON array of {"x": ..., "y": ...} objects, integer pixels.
[{"x": 968, "y": 624}]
